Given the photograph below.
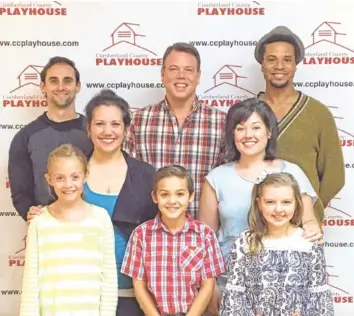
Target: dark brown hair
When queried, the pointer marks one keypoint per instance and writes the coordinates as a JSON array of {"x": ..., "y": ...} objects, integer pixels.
[
  {"x": 240, "y": 113},
  {"x": 173, "y": 171},
  {"x": 59, "y": 60},
  {"x": 108, "y": 98}
]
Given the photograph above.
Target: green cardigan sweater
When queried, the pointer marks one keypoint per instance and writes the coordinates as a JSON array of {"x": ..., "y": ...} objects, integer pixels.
[{"x": 308, "y": 137}]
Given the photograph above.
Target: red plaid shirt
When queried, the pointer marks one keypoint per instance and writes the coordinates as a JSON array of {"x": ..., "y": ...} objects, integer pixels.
[
  {"x": 155, "y": 137},
  {"x": 173, "y": 265}
]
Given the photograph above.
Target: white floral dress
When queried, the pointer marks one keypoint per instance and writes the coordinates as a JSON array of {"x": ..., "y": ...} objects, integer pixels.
[{"x": 287, "y": 277}]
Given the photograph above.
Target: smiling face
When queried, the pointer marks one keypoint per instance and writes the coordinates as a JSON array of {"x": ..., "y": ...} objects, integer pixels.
[
  {"x": 180, "y": 75},
  {"x": 107, "y": 128},
  {"x": 279, "y": 64},
  {"x": 172, "y": 197},
  {"x": 251, "y": 137},
  {"x": 278, "y": 205},
  {"x": 67, "y": 176},
  {"x": 60, "y": 86}
]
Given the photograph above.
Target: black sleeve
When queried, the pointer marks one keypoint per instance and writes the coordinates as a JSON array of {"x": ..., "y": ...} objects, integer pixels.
[
  {"x": 20, "y": 172},
  {"x": 151, "y": 209}
]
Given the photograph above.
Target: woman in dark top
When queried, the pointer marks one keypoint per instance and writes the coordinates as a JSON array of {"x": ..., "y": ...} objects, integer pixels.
[{"x": 117, "y": 182}]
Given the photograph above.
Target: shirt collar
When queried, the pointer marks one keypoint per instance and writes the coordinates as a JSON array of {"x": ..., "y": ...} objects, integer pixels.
[
  {"x": 196, "y": 104},
  {"x": 190, "y": 224}
]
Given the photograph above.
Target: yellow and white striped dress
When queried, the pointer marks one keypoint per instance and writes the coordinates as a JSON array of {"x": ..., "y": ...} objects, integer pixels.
[{"x": 70, "y": 268}]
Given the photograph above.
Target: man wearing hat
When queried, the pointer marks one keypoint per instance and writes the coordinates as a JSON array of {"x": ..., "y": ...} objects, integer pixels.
[{"x": 308, "y": 135}]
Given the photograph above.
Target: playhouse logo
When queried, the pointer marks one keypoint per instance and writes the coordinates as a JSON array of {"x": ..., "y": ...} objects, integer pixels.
[
  {"x": 18, "y": 258},
  {"x": 227, "y": 88},
  {"x": 326, "y": 48},
  {"x": 346, "y": 138},
  {"x": 231, "y": 8},
  {"x": 339, "y": 295},
  {"x": 26, "y": 93},
  {"x": 13, "y": 8},
  {"x": 335, "y": 216},
  {"x": 126, "y": 50}
]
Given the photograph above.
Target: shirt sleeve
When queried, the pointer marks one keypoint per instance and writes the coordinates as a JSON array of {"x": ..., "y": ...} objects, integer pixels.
[
  {"x": 234, "y": 299},
  {"x": 330, "y": 161},
  {"x": 304, "y": 183},
  {"x": 133, "y": 262},
  {"x": 319, "y": 299},
  {"x": 129, "y": 143},
  {"x": 109, "y": 287},
  {"x": 212, "y": 178},
  {"x": 214, "y": 264},
  {"x": 30, "y": 290},
  {"x": 20, "y": 172}
]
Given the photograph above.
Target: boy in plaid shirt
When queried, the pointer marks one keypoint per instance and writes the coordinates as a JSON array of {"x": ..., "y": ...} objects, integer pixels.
[{"x": 173, "y": 259}]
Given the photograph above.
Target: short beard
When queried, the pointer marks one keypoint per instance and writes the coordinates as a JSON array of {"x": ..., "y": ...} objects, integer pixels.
[
  {"x": 278, "y": 86},
  {"x": 63, "y": 105}
]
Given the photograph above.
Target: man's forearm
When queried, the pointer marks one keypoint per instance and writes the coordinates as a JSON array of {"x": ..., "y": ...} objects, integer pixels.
[{"x": 309, "y": 213}]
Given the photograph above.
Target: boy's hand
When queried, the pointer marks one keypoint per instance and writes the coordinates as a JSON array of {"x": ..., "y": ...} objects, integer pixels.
[{"x": 213, "y": 307}]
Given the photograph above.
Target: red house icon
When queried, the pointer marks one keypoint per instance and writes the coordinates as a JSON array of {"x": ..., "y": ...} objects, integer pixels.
[
  {"x": 124, "y": 33},
  {"x": 227, "y": 75},
  {"x": 325, "y": 32},
  {"x": 30, "y": 75}
]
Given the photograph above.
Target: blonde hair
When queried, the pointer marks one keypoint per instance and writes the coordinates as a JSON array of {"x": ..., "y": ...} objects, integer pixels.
[
  {"x": 67, "y": 151},
  {"x": 258, "y": 228}
]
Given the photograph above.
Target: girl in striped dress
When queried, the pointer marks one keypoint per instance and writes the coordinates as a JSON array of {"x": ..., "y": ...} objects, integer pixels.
[{"x": 70, "y": 267}]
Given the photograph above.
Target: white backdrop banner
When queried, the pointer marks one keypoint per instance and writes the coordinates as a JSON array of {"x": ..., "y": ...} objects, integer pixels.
[{"x": 119, "y": 45}]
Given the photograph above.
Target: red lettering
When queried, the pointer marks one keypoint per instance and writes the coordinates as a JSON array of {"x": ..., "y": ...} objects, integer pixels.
[
  {"x": 230, "y": 11},
  {"x": 25, "y": 103},
  {"x": 16, "y": 262},
  {"x": 129, "y": 61},
  {"x": 230, "y": 102},
  {"x": 33, "y": 11},
  {"x": 338, "y": 222},
  {"x": 343, "y": 299},
  {"x": 222, "y": 102},
  {"x": 327, "y": 60},
  {"x": 200, "y": 11},
  {"x": 347, "y": 142}
]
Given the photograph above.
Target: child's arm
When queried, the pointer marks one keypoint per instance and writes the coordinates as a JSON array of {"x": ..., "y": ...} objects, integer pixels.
[
  {"x": 213, "y": 266},
  {"x": 144, "y": 297},
  {"x": 133, "y": 265},
  {"x": 30, "y": 289},
  {"x": 234, "y": 298},
  {"x": 109, "y": 287},
  {"x": 201, "y": 301},
  {"x": 319, "y": 298}
]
